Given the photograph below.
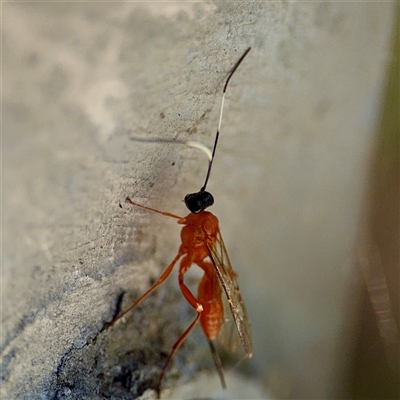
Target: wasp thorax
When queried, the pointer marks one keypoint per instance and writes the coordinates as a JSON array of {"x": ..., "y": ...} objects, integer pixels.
[{"x": 197, "y": 202}]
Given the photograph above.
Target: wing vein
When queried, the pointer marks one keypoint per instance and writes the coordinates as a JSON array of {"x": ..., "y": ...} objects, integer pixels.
[{"x": 227, "y": 277}]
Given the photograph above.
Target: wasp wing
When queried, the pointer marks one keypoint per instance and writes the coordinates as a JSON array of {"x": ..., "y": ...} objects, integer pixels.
[{"x": 227, "y": 277}]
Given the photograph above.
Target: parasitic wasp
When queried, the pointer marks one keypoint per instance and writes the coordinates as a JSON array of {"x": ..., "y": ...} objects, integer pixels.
[{"x": 202, "y": 245}]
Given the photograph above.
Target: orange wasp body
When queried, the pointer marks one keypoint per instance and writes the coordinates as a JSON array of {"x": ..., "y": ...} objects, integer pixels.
[{"x": 202, "y": 245}]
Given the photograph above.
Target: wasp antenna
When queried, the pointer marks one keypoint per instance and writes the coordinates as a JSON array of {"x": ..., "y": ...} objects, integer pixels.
[
  {"x": 197, "y": 202},
  {"x": 200, "y": 146},
  {"x": 235, "y": 67}
]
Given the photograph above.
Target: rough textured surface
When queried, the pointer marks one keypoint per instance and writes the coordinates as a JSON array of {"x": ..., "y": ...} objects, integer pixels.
[{"x": 80, "y": 80}]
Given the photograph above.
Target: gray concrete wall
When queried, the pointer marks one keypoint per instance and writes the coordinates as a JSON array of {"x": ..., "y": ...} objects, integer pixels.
[{"x": 79, "y": 81}]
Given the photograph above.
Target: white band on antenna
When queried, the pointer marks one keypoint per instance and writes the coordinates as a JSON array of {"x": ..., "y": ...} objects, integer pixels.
[{"x": 200, "y": 146}]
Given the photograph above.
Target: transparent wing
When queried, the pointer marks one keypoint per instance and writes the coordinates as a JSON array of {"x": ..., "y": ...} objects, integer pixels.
[
  {"x": 228, "y": 336},
  {"x": 227, "y": 277}
]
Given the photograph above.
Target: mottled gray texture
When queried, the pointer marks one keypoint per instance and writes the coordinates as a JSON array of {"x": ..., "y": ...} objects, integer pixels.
[{"x": 80, "y": 80}]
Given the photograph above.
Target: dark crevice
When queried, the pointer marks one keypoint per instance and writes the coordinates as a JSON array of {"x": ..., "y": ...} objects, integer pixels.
[
  {"x": 117, "y": 311},
  {"x": 60, "y": 390}
]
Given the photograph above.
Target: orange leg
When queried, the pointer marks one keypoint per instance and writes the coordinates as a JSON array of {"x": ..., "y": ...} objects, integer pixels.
[
  {"x": 160, "y": 280},
  {"x": 185, "y": 265},
  {"x": 167, "y": 214}
]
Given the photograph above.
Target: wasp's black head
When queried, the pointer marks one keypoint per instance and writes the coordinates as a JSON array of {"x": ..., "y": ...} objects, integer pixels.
[{"x": 197, "y": 202}]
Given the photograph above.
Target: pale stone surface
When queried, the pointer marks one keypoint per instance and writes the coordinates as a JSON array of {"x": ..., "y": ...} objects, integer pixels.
[{"x": 80, "y": 80}]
